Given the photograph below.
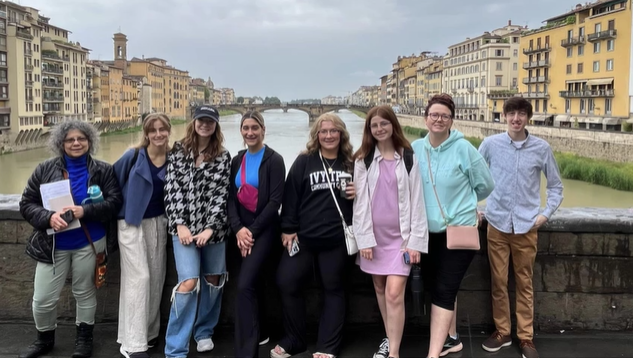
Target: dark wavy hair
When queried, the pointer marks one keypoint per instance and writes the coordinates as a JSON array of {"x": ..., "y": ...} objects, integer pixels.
[
  {"x": 191, "y": 139},
  {"x": 400, "y": 142},
  {"x": 518, "y": 104},
  {"x": 443, "y": 99},
  {"x": 60, "y": 131}
]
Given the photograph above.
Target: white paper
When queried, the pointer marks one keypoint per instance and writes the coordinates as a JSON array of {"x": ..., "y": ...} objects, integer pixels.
[{"x": 55, "y": 197}]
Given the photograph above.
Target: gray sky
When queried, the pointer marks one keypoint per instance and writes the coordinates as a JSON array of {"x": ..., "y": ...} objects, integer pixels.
[{"x": 287, "y": 48}]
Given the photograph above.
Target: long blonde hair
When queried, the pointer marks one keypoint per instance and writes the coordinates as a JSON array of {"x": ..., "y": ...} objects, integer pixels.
[
  {"x": 148, "y": 123},
  {"x": 344, "y": 146},
  {"x": 190, "y": 142}
]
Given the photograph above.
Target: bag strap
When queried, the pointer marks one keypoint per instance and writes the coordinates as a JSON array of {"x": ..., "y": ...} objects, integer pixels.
[
  {"x": 407, "y": 157},
  {"x": 439, "y": 204},
  {"x": 243, "y": 170},
  {"x": 332, "y": 191},
  {"x": 82, "y": 224}
]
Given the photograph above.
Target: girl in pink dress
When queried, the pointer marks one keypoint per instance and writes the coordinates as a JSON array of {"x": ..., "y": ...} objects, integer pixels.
[{"x": 389, "y": 218}]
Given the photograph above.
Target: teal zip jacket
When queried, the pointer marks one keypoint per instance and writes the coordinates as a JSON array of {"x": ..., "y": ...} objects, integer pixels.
[{"x": 461, "y": 177}]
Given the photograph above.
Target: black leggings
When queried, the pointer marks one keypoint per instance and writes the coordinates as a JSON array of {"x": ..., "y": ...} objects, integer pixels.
[
  {"x": 444, "y": 269},
  {"x": 292, "y": 276}
]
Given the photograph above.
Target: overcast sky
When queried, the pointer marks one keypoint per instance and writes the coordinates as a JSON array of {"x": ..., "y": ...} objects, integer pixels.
[{"x": 287, "y": 48}]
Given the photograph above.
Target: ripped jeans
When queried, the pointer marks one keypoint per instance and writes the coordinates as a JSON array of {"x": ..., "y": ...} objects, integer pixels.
[{"x": 195, "y": 263}]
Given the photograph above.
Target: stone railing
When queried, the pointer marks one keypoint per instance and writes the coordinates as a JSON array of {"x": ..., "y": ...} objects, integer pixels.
[{"x": 583, "y": 278}]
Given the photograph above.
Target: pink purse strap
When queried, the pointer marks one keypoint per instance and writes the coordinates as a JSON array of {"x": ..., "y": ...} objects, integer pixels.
[
  {"x": 428, "y": 161},
  {"x": 243, "y": 170}
]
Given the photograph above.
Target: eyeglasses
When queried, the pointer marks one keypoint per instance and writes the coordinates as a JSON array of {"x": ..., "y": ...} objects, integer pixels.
[
  {"x": 332, "y": 132},
  {"x": 78, "y": 139},
  {"x": 383, "y": 124},
  {"x": 512, "y": 114},
  {"x": 436, "y": 117}
]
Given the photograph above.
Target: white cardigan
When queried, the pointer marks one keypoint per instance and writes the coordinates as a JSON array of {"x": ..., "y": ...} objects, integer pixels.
[{"x": 413, "y": 224}]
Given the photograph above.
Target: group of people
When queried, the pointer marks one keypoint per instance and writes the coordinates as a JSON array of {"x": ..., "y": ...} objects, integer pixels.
[{"x": 402, "y": 202}]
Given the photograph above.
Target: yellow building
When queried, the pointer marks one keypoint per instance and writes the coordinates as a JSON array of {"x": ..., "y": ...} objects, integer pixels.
[
  {"x": 197, "y": 91},
  {"x": 217, "y": 97},
  {"x": 569, "y": 67},
  {"x": 396, "y": 86},
  {"x": 104, "y": 93},
  {"x": 130, "y": 97},
  {"x": 228, "y": 96},
  {"x": 93, "y": 87},
  {"x": 433, "y": 80}
]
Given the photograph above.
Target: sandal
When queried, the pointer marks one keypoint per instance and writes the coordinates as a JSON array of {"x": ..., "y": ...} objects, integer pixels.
[
  {"x": 278, "y": 352},
  {"x": 323, "y": 355}
]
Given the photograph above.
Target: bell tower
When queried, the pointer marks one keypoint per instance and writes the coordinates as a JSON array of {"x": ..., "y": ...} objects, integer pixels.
[{"x": 120, "y": 51}]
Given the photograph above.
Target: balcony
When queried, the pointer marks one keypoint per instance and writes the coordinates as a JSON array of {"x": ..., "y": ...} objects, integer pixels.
[
  {"x": 604, "y": 93},
  {"x": 51, "y": 55},
  {"x": 28, "y": 67},
  {"x": 28, "y": 52},
  {"x": 539, "y": 79},
  {"x": 3, "y": 14},
  {"x": 4, "y": 80},
  {"x": 535, "y": 64},
  {"x": 24, "y": 34},
  {"x": 5, "y": 110},
  {"x": 470, "y": 89},
  {"x": 466, "y": 106},
  {"x": 53, "y": 70},
  {"x": 502, "y": 94},
  {"x": 3, "y": 30},
  {"x": 28, "y": 83},
  {"x": 602, "y": 35},
  {"x": 48, "y": 108},
  {"x": 96, "y": 100},
  {"x": 4, "y": 96},
  {"x": 530, "y": 50},
  {"x": 3, "y": 63},
  {"x": 29, "y": 98},
  {"x": 50, "y": 84},
  {"x": 49, "y": 98},
  {"x": 543, "y": 95},
  {"x": 572, "y": 41}
]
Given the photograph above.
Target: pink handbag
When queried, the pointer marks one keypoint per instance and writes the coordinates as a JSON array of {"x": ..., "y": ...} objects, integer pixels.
[
  {"x": 247, "y": 194},
  {"x": 457, "y": 237}
]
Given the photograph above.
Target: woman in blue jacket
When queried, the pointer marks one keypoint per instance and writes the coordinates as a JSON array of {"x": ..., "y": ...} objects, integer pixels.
[
  {"x": 455, "y": 177},
  {"x": 142, "y": 237}
]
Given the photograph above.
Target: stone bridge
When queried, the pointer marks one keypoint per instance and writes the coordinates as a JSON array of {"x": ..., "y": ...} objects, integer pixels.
[
  {"x": 313, "y": 110},
  {"x": 583, "y": 278}
]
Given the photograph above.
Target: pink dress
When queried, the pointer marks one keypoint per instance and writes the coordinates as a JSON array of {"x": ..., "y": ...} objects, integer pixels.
[{"x": 387, "y": 254}]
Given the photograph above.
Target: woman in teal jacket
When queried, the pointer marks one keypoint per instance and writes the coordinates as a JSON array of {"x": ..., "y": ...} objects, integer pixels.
[{"x": 453, "y": 168}]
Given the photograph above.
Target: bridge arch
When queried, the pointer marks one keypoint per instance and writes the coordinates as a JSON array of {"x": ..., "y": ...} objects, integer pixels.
[{"x": 313, "y": 110}]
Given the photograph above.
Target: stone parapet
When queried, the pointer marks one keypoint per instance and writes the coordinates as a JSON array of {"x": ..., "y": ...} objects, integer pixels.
[
  {"x": 583, "y": 277},
  {"x": 612, "y": 146}
]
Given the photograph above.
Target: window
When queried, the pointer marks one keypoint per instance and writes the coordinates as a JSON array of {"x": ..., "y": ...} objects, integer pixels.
[
  {"x": 598, "y": 27},
  {"x": 570, "y": 52},
  {"x": 499, "y": 66},
  {"x": 568, "y": 69},
  {"x": 567, "y": 105},
  {"x": 581, "y": 32},
  {"x": 581, "y": 50},
  {"x": 611, "y": 25},
  {"x": 547, "y": 41},
  {"x": 610, "y": 65},
  {"x": 498, "y": 80},
  {"x": 483, "y": 81},
  {"x": 514, "y": 83},
  {"x": 596, "y": 47},
  {"x": 536, "y": 106},
  {"x": 499, "y": 53},
  {"x": 570, "y": 34},
  {"x": 516, "y": 53},
  {"x": 596, "y": 66},
  {"x": 544, "y": 106},
  {"x": 610, "y": 45},
  {"x": 515, "y": 66},
  {"x": 580, "y": 68},
  {"x": 591, "y": 105},
  {"x": 582, "y": 105},
  {"x": 607, "y": 105}
]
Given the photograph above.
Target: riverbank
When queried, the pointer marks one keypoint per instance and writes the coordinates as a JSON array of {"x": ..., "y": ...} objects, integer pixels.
[
  {"x": 358, "y": 113},
  {"x": 174, "y": 122},
  {"x": 614, "y": 175}
]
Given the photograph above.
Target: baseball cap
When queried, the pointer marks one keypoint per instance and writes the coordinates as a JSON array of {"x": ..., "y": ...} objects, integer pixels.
[{"x": 207, "y": 112}]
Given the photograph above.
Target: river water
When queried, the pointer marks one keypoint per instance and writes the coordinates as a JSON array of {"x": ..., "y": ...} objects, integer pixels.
[{"x": 287, "y": 133}]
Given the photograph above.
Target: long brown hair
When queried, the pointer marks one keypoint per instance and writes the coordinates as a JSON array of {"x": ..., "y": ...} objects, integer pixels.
[
  {"x": 191, "y": 139},
  {"x": 400, "y": 142},
  {"x": 344, "y": 146},
  {"x": 148, "y": 123}
]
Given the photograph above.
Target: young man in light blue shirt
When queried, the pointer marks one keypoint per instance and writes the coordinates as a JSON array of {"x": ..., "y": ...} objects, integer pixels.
[{"x": 516, "y": 161}]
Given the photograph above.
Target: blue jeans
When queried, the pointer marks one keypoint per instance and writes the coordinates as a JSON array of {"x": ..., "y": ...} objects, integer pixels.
[{"x": 195, "y": 263}]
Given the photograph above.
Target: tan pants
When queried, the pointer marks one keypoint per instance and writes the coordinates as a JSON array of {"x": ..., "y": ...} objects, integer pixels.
[{"x": 523, "y": 249}]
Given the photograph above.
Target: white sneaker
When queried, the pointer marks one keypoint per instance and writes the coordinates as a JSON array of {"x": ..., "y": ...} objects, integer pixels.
[{"x": 205, "y": 345}]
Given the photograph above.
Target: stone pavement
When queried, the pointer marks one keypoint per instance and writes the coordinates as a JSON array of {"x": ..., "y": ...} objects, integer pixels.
[{"x": 360, "y": 341}]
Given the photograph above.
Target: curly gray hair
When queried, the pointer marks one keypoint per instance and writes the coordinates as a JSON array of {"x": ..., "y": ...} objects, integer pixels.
[{"x": 59, "y": 132}]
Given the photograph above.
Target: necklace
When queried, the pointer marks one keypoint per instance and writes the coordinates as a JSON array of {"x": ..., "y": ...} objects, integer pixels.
[{"x": 330, "y": 165}]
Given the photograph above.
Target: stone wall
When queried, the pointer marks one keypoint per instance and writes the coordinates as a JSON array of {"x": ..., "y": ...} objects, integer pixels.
[
  {"x": 613, "y": 146},
  {"x": 583, "y": 278}
]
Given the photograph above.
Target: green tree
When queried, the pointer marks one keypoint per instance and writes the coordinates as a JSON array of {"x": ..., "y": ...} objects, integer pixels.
[
  {"x": 207, "y": 94},
  {"x": 240, "y": 100}
]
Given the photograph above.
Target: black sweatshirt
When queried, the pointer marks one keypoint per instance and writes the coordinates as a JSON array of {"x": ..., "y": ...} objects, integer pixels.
[{"x": 308, "y": 207}]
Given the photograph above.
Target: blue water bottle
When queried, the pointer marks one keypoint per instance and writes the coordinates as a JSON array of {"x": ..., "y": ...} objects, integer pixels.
[{"x": 94, "y": 195}]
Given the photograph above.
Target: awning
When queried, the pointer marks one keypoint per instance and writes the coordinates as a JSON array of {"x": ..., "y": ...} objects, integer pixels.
[
  {"x": 562, "y": 118},
  {"x": 600, "y": 81},
  {"x": 612, "y": 120},
  {"x": 590, "y": 119},
  {"x": 539, "y": 118},
  {"x": 575, "y": 81}
]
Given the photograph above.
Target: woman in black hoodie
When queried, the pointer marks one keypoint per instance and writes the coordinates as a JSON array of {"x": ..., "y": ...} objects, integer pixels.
[
  {"x": 256, "y": 193},
  {"x": 311, "y": 221}
]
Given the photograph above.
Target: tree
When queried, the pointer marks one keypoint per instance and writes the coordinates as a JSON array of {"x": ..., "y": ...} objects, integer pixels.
[
  {"x": 240, "y": 100},
  {"x": 207, "y": 94},
  {"x": 272, "y": 101}
]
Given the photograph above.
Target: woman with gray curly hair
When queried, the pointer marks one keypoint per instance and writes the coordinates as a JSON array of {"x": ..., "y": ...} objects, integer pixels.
[{"x": 74, "y": 250}]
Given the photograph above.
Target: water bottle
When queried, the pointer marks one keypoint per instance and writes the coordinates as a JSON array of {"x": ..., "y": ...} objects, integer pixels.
[
  {"x": 417, "y": 290},
  {"x": 94, "y": 195}
]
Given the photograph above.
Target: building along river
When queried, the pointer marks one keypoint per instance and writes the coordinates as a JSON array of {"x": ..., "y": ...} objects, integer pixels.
[{"x": 287, "y": 133}]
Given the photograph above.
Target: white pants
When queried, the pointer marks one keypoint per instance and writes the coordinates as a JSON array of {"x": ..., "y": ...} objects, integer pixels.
[{"x": 143, "y": 266}]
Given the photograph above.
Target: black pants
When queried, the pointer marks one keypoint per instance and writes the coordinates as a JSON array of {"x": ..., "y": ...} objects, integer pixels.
[
  {"x": 292, "y": 276},
  {"x": 256, "y": 271},
  {"x": 444, "y": 269}
]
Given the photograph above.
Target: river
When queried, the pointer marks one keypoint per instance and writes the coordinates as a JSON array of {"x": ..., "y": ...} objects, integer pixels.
[{"x": 287, "y": 133}]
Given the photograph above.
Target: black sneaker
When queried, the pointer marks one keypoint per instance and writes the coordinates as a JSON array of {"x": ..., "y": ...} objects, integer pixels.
[
  {"x": 383, "y": 349},
  {"x": 133, "y": 355},
  {"x": 452, "y": 345}
]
